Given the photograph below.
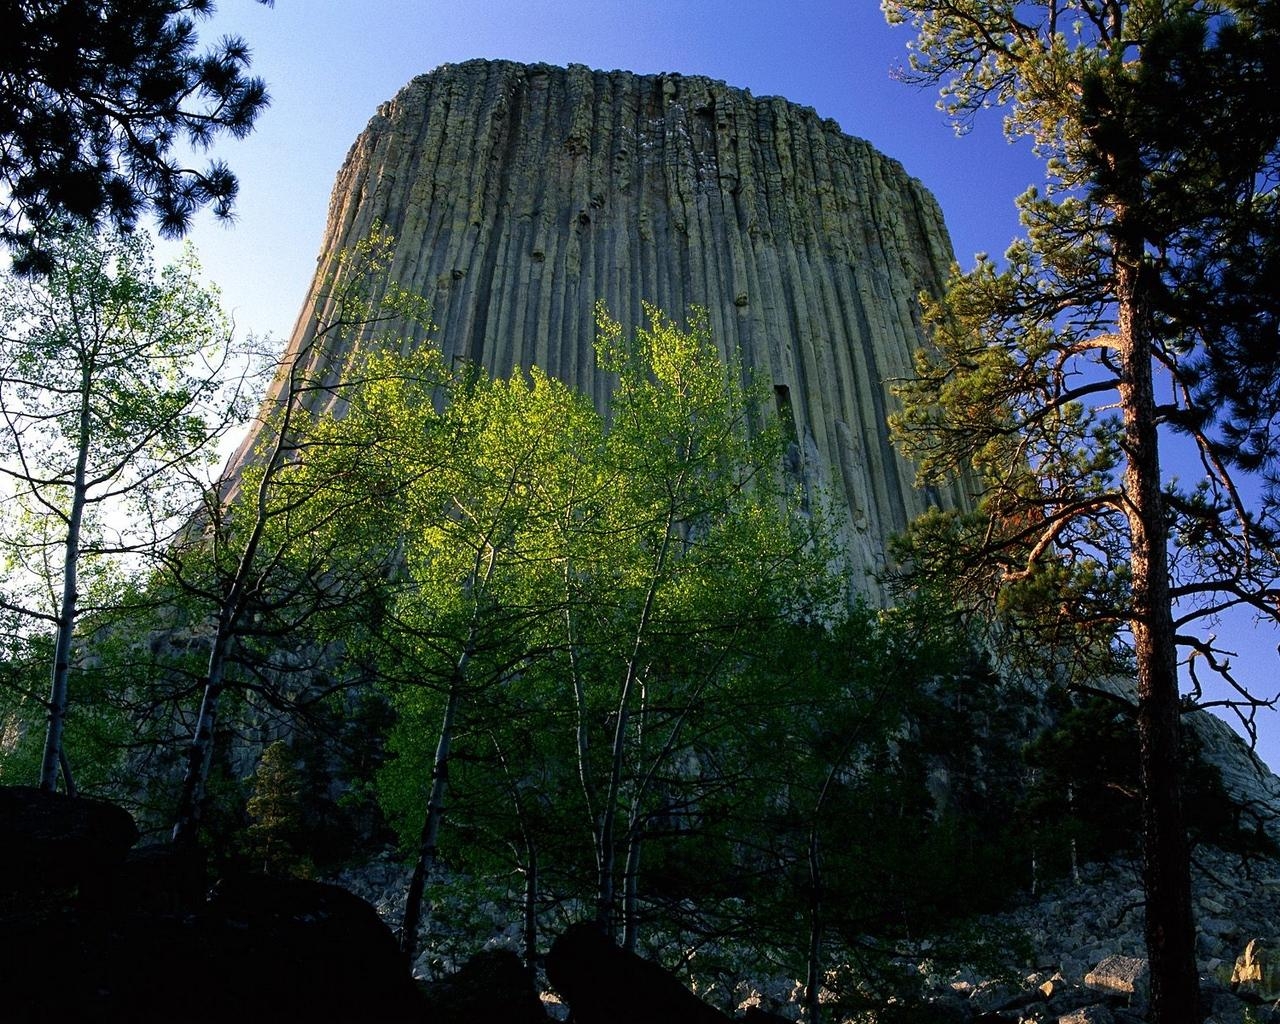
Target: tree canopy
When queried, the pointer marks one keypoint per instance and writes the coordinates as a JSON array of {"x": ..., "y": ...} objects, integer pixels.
[
  {"x": 578, "y": 598},
  {"x": 95, "y": 97},
  {"x": 113, "y": 387}
]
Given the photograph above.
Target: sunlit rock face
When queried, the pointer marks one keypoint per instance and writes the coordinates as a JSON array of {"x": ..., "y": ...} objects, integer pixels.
[{"x": 519, "y": 195}]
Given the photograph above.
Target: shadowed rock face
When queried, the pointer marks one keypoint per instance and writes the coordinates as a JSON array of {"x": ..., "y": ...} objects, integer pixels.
[{"x": 520, "y": 195}]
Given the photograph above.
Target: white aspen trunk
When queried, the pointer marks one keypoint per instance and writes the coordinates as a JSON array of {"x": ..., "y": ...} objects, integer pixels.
[
  {"x": 59, "y": 684},
  {"x": 631, "y": 891},
  {"x": 428, "y": 841},
  {"x": 607, "y": 853},
  {"x": 582, "y": 732},
  {"x": 813, "y": 975},
  {"x": 531, "y": 908}
]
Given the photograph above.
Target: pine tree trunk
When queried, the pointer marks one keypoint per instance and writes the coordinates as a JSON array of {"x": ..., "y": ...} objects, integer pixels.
[{"x": 1170, "y": 931}]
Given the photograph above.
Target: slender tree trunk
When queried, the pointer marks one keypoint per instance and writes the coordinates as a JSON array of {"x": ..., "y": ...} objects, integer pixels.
[
  {"x": 530, "y": 850},
  {"x": 607, "y": 853},
  {"x": 582, "y": 733},
  {"x": 631, "y": 891},
  {"x": 234, "y": 597},
  {"x": 186, "y": 829},
  {"x": 1170, "y": 931},
  {"x": 428, "y": 842},
  {"x": 530, "y": 908},
  {"x": 813, "y": 976},
  {"x": 68, "y": 782},
  {"x": 59, "y": 683}
]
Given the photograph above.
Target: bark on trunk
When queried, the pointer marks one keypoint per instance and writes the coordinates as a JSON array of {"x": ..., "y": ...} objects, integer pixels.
[
  {"x": 606, "y": 854},
  {"x": 186, "y": 829},
  {"x": 531, "y": 910},
  {"x": 1170, "y": 931},
  {"x": 68, "y": 781},
  {"x": 59, "y": 684},
  {"x": 428, "y": 841},
  {"x": 813, "y": 977},
  {"x": 631, "y": 892}
]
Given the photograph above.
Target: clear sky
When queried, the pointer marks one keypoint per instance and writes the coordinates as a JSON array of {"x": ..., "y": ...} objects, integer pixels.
[{"x": 329, "y": 63}]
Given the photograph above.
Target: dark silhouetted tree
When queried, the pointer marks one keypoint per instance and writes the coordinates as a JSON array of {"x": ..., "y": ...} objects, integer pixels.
[{"x": 94, "y": 97}]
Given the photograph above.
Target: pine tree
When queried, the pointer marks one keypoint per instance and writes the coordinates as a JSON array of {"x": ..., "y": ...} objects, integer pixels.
[
  {"x": 93, "y": 97},
  {"x": 276, "y": 808},
  {"x": 1140, "y": 313}
]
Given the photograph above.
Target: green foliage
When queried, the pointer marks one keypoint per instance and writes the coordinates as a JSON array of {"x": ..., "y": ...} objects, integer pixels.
[
  {"x": 111, "y": 357},
  {"x": 113, "y": 392},
  {"x": 915, "y": 822},
  {"x": 24, "y": 673},
  {"x": 1130, "y": 322},
  {"x": 580, "y": 604},
  {"x": 1085, "y": 788},
  {"x": 562, "y": 576},
  {"x": 275, "y": 811},
  {"x": 270, "y": 560}
]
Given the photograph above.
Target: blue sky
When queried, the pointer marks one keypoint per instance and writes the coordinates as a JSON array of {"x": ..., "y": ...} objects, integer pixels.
[{"x": 329, "y": 63}]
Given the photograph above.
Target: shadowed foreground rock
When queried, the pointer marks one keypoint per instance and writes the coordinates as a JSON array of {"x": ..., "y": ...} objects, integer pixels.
[
  {"x": 89, "y": 939},
  {"x": 48, "y": 840},
  {"x": 606, "y": 985},
  {"x": 491, "y": 986}
]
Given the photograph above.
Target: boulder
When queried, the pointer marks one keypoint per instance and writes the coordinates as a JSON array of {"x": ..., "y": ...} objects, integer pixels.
[
  {"x": 155, "y": 877},
  {"x": 1096, "y": 1014},
  {"x": 1257, "y": 971},
  {"x": 991, "y": 997},
  {"x": 57, "y": 841},
  {"x": 307, "y": 948},
  {"x": 493, "y": 985},
  {"x": 265, "y": 950},
  {"x": 606, "y": 985},
  {"x": 1126, "y": 976}
]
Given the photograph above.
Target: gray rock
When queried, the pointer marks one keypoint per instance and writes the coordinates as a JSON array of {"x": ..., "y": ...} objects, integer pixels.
[
  {"x": 1212, "y": 906},
  {"x": 1094, "y": 1014},
  {"x": 1223, "y": 1006},
  {"x": 1121, "y": 976},
  {"x": 991, "y": 996}
]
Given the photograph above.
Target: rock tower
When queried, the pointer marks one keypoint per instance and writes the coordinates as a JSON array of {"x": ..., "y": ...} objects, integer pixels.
[{"x": 519, "y": 195}]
